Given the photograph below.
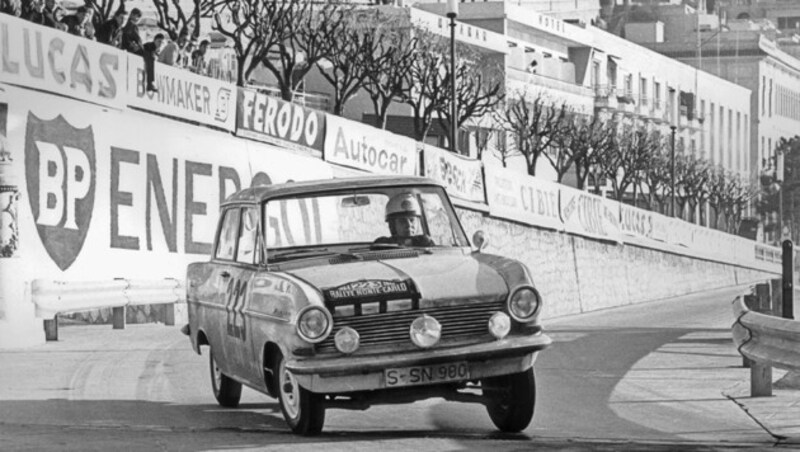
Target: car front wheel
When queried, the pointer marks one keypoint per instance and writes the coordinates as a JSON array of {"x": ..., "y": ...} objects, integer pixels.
[
  {"x": 227, "y": 391},
  {"x": 303, "y": 410},
  {"x": 511, "y": 400}
]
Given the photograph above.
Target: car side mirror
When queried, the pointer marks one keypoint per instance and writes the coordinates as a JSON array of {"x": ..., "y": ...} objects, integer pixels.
[{"x": 480, "y": 241}]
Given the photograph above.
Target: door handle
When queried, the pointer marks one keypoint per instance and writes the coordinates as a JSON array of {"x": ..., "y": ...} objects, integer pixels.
[{"x": 225, "y": 274}]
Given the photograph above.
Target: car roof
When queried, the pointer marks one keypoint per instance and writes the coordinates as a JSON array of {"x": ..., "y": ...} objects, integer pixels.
[{"x": 265, "y": 192}]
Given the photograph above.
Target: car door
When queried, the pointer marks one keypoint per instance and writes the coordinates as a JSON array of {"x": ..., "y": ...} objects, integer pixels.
[
  {"x": 231, "y": 279},
  {"x": 240, "y": 321}
]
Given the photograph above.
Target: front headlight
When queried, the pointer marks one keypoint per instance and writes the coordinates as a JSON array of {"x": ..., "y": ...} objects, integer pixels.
[
  {"x": 347, "y": 340},
  {"x": 314, "y": 324},
  {"x": 524, "y": 303},
  {"x": 499, "y": 325},
  {"x": 425, "y": 331}
]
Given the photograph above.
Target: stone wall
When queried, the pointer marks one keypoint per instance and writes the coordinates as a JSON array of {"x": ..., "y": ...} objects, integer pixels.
[
  {"x": 577, "y": 274},
  {"x": 574, "y": 274}
]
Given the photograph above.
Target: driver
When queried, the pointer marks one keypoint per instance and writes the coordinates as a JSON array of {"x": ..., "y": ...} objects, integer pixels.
[{"x": 404, "y": 216}]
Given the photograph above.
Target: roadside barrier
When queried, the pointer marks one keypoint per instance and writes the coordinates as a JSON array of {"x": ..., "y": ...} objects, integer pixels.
[
  {"x": 63, "y": 297},
  {"x": 766, "y": 340}
]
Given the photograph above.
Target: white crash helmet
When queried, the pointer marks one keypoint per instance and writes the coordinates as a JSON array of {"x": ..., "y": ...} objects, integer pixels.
[{"x": 403, "y": 204}]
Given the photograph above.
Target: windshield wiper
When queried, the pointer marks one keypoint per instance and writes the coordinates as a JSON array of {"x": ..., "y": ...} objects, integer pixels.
[{"x": 317, "y": 252}]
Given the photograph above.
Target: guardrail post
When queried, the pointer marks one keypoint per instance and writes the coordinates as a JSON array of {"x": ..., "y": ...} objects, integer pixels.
[
  {"x": 760, "y": 380},
  {"x": 118, "y": 317},
  {"x": 788, "y": 278},
  {"x": 752, "y": 302},
  {"x": 51, "y": 329},
  {"x": 760, "y": 302}
]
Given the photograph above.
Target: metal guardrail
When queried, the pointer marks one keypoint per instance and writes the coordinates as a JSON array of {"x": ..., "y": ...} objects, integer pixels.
[
  {"x": 52, "y": 298},
  {"x": 768, "y": 342}
]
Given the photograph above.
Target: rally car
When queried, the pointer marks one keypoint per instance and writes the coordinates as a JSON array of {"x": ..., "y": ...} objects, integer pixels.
[{"x": 347, "y": 293}]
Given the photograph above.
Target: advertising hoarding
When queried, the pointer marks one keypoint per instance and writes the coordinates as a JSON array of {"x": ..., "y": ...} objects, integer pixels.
[
  {"x": 182, "y": 94},
  {"x": 357, "y": 145}
]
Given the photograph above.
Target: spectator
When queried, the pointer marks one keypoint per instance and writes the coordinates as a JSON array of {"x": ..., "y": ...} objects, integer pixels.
[
  {"x": 172, "y": 52},
  {"x": 199, "y": 58},
  {"x": 131, "y": 40},
  {"x": 52, "y": 14},
  {"x": 110, "y": 32},
  {"x": 33, "y": 12},
  {"x": 10, "y": 8},
  {"x": 80, "y": 23},
  {"x": 186, "y": 55},
  {"x": 151, "y": 51}
]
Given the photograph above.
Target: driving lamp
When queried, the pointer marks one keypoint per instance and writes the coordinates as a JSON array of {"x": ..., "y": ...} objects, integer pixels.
[
  {"x": 425, "y": 331},
  {"x": 314, "y": 324},
  {"x": 500, "y": 325},
  {"x": 523, "y": 304},
  {"x": 346, "y": 340}
]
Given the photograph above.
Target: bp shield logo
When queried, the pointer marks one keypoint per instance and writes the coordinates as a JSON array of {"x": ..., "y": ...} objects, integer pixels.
[{"x": 60, "y": 174}]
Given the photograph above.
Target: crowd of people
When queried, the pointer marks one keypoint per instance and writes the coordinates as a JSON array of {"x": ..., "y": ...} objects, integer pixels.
[{"x": 121, "y": 31}]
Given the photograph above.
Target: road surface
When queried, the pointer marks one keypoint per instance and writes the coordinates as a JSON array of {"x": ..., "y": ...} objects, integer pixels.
[{"x": 649, "y": 376}]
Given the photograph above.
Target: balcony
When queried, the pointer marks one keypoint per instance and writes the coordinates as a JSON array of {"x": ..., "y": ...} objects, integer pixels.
[
  {"x": 643, "y": 108},
  {"x": 605, "y": 96},
  {"x": 543, "y": 81}
]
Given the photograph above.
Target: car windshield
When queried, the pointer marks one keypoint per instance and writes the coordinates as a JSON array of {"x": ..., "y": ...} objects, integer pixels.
[{"x": 371, "y": 217}]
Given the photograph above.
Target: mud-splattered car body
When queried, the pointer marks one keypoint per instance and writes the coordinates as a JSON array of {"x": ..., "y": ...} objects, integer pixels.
[{"x": 299, "y": 301}]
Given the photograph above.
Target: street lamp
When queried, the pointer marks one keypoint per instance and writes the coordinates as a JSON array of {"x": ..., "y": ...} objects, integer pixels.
[
  {"x": 452, "y": 12},
  {"x": 672, "y": 173}
]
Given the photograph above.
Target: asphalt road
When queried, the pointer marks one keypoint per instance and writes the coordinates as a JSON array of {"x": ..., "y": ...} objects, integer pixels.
[{"x": 644, "y": 377}]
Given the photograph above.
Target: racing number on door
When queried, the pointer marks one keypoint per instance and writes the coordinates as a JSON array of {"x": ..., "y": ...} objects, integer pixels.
[{"x": 237, "y": 293}]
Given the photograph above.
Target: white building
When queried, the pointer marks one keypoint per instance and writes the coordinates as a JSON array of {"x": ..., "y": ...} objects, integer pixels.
[{"x": 596, "y": 72}]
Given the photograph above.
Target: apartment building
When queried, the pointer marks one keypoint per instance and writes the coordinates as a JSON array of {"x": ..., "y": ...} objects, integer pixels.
[
  {"x": 785, "y": 14},
  {"x": 596, "y": 73}
]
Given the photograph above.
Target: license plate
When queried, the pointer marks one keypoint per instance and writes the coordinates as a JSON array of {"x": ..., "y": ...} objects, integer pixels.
[{"x": 420, "y": 375}]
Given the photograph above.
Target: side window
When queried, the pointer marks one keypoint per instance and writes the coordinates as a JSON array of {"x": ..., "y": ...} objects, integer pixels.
[
  {"x": 438, "y": 222},
  {"x": 226, "y": 244},
  {"x": 246, "y": 253}
]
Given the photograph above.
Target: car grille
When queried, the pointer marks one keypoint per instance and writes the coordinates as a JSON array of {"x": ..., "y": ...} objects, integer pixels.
[{"x": 460, "y": 322}]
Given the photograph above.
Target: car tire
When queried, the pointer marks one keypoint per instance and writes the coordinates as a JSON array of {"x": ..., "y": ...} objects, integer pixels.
[
  {"x": 303, "y": 410},
  {"x": 227, "y": 391},
  {"x": 511, "y": 400}
]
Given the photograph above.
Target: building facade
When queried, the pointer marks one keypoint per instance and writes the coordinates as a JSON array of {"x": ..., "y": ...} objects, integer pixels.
[
  {"x": 749, "y": 55},
  {"x": 596, "y": 72}
]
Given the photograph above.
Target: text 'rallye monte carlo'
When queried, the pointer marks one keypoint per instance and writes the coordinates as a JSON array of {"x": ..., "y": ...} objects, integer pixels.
[{"x": 347, "y": 293}]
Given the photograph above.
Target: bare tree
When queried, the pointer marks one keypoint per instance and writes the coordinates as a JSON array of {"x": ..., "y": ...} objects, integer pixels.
[
  {"x": 735, "y": 197},
  {"x": 717, "y": 184},
  {"x": 625, "y": 162},
  {"x": 358, "y": 46},
  {"x": 174, "y": 20},
  {"x": 310, "y": 30},
  {"x": 479, "y": 82},
  {"x": 389, "y": 66},
  {"x": 533, "y": 126},
  {"x": 250, "y": 26},
  {"x": 589, "y": 139},
  {"x": 656, "y": 177},
  {"x": 425, "y": 82},
  {"x": 692, "y": 175}
]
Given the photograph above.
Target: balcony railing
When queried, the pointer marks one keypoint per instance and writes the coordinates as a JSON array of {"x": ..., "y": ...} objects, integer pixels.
[
  {"x": 605, "y": 91},
  {"x": 547, "y": 82}
]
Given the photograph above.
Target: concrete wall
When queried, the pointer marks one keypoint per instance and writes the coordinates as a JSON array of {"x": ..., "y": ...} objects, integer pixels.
[{"x": 577, "y": 274}]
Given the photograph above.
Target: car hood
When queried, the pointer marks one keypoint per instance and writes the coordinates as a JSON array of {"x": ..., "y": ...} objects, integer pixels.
[{"x": 433, "y": 277}]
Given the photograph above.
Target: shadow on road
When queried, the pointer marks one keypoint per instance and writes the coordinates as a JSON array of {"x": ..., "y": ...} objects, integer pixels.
[{"x": 577, "y": 376}]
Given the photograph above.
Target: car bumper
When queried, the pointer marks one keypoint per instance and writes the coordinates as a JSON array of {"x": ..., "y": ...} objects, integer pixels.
[{"x": 360, "y": 373}]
